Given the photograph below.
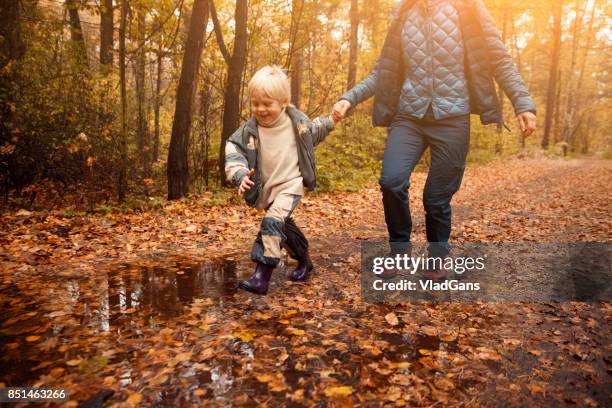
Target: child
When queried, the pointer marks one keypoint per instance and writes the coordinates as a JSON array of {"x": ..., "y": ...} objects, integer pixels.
[{"x": 271, "y": 159}]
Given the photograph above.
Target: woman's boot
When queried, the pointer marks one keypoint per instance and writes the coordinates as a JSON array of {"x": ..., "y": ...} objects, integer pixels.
[
  {"x": 401, "y": 249},
  {"x": 302, "y": 272},
  {"x": 258, "y": 283}
]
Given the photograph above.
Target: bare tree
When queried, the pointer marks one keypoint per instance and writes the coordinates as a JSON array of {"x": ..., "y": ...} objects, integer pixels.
[
  {"x": 106, "y": 32},
  {"x": 500, "y": 93},
  {"x": 296, "y": 52},
  {"x": 76, "y": 32},
  {"x": 353, "y": 43},
  {"x": 12, "y": 47},
  {"x": 157, "y": 99},
  {"x": 122, "y": 188},
  {"x": 578, "y": 103},
  {"x": 551, "y": 95},
  {"x": 142, "y": 136},
  {"x": 231, "y": 109},
  {"x": 178, "y": 163},
  {"x": 218, "y": 32}
]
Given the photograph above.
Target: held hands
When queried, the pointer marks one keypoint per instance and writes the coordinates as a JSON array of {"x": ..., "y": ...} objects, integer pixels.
[
  {"x": 246, "y": 183},
  {"x": 527, "y": 121},
  {"x": 340, "y": 109}
]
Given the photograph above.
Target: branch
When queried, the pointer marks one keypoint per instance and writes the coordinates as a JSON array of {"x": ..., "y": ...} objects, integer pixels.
[{"x": 218, "y": 33}]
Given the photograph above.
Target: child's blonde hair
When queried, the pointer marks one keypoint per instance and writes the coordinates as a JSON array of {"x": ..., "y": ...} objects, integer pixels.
[{"x": 272, "y": 81}]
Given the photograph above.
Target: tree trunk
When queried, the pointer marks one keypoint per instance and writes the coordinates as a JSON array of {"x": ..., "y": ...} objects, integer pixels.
[
  {"x": 12, "y": 47},
  {"x": 231, "y": 109},
  {"x": 204, "y": 134},
  {"x": 557, "y": 116},
  {"x": 76, "y": 32},
  {"x": 218, "y": 32},
  {"x": 579, "y": 91},
  {"x": 570, "y": 83},
  {"x": 552, "y": 78},
  {"x": 142, "y": 136},
  {"x": 296, "y": 52},
  {"x": 500, "y": 93},
  {"x": 122, "y": 188},
  {"x": 106, "y": 32},
  {"x": 353, "y": 44},
  {"x": 312, "y": 48},
  {"x": 157, "y": 106},
  {"x": 297, "y": 70},
  {"x": 519, "y": 65},
  {"x": 178, "y": 164}
]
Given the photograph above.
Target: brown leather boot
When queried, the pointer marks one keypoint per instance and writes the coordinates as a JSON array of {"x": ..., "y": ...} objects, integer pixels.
[
  {"x": 390, "y": 273},
  {"x": 437, "y": 274},
  {"x": 258, "y": 282},
  {"x": 305, "y": 266}
]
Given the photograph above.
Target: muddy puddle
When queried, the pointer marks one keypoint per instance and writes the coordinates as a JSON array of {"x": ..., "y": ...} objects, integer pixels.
[
  {"x": 40, "y": 316},
  {"x": 92, "y": 322}
]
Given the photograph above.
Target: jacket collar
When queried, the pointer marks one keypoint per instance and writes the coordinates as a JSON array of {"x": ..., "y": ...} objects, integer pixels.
[
  {"x": 400, "y": 9},
  {"x": 295, "y": 114}
]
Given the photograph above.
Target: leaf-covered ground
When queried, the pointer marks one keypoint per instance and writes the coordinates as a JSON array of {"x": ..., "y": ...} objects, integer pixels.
[{"x": 142, "y": 309}]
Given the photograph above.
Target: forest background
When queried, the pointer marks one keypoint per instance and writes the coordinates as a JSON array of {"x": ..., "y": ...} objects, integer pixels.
[{"x": 121, "y": 104}]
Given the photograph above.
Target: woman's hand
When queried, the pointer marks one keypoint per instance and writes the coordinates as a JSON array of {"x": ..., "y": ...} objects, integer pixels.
[
  {"x": 246, "y": 183},
  {"x": 340, "y": 109},
  {"x": 527, "y": 121}
]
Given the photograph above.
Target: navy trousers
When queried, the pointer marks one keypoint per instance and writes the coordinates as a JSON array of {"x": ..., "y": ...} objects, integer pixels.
[{"x": 409, "y": 137}]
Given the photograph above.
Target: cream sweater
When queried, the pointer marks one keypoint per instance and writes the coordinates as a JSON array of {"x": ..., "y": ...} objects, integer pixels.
[{"x": 278, "y": 161}]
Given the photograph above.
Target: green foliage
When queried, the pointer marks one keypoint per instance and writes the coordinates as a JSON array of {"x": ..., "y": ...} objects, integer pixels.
[
  {"x": 62, "y": 124},
  {"x": 351, "y": 156}
]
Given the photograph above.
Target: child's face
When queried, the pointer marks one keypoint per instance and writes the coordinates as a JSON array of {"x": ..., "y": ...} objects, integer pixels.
[{"x": 265, "y": 109}]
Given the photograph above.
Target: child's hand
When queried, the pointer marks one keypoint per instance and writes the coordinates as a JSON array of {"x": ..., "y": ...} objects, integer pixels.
[
  {"x": 336, "y": 117},
  {"x": 246, "y": 183}
]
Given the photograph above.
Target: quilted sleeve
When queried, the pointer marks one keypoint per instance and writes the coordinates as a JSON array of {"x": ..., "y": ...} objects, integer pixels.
[
  {"x": 363, "y": 90},
  {"x": 504, "y": 71}
]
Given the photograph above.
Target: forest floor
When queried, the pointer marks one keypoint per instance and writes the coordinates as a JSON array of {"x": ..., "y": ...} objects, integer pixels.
[{"x": 142, "y": 309}]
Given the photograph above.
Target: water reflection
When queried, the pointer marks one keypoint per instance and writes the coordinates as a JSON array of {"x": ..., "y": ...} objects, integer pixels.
[
  {"x": 124, "y": 299},
  {"x": 159, "y": 292}
]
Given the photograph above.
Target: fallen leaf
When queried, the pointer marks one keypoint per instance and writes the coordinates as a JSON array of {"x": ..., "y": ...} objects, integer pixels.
[
  {"x": 245, "y": 336},
  {"x": 134, "y": 399},
  {"x": 536, "y": 388},
  {"x": 392, "y": 319},
  {"x": 57, "y": 371},
  {"x": 295, "y": 332},
  {"x": 341, "y": 391}
]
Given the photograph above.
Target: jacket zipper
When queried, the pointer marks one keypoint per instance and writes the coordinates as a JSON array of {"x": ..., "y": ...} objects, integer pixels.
[{"x": 430, "y": 52}]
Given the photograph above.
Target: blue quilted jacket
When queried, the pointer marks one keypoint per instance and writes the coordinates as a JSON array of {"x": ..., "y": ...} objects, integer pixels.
[{"x": 461, "y": 41}]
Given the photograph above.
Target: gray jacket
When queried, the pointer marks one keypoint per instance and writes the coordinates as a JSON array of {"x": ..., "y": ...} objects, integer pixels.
[
  {"x": 241, "y": 151},
  {"x": 486, "y": 58}
]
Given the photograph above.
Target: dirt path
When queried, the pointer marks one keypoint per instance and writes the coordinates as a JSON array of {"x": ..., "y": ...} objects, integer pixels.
[{"x": 143, "y": 308}]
